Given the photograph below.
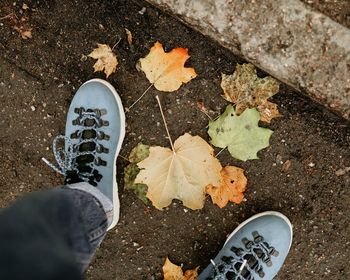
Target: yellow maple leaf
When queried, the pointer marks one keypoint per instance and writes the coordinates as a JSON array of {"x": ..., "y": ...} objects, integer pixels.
[
  {"x": 180, "y": 174},
  {"x": 232, "y": 186},
  {"x": 246, "y": 90},
  {"x": 174, "y": 272},
  {"x": 106, "y": 59},
  {"x": 166, "y": 71}
]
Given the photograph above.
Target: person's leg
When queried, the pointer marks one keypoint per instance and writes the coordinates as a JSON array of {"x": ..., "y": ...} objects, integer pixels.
[
  {"x": 256, "y": 249},
  {"x": 52, "y": 234}
]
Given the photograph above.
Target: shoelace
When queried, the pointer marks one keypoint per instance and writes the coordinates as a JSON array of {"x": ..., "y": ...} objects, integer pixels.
[
  {"x": 244, "y": 263},
  {"x": 67, "y": 163}
]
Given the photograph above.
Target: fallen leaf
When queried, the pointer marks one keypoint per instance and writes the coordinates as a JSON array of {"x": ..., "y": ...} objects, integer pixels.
[
  {"x": 241, "y": 134},
  {"x": 286, "y": 165},
  {"x": 174, "y": 272},
  {"x": 201, "y": 106},
  {"x": 166, "y": 71},
  {"x": 180, "y": 174},
  {"x": 106, "y": 59},
  {"x": 246, "y": 90},
  {"x": 24, "y": 31},
  {"x": 137, "y": 154},
  {"x": 268, "y": 111},
  {"x": 232, "y": 187},
  {"x": 129, "y": 36}
]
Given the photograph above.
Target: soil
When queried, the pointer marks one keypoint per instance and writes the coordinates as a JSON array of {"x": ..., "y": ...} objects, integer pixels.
[{"x": 38, "y": 78}]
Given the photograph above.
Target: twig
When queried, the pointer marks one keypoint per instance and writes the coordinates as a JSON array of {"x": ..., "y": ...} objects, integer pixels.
[
  {"x": 124, "y": 158},
  {"x": 205, "y": 113},
  {"x": 213, "y": 120},
  {"x": 165, "y": 124},
  {"x": 116, "y": 44},
  {"x": 138, "y": 99},
  {"x": 220, "y": 152},
  {"x": 8, "y": 16}
]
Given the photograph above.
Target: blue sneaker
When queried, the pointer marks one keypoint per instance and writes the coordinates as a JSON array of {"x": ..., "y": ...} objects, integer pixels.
[
  {"x": 95, "y": 130},
  {"x": 256, "y": 249}
]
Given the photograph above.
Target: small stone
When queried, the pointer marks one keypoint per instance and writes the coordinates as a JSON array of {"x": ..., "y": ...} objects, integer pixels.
[
  {"x": 279, "y": 159},
  {"x": 142, "y": 11},
  {"x": 197, "y": 245},
  {"x": 83, "y": 58},
  {"x": 33, "y": 108},
  {"x": 343, "y": 171},
  {"x": 135, "y": 244},
  {"x": 311, "y": 164}
]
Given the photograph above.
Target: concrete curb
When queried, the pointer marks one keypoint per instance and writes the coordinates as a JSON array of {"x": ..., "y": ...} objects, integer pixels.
[{"x": 293, "y": 43}]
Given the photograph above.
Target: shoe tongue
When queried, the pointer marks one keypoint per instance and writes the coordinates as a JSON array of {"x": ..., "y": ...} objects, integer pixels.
[
  {"x": 87, "y": 147},
  {"x": 89, "y": 122},
  {"x": 89, "y": 134}
]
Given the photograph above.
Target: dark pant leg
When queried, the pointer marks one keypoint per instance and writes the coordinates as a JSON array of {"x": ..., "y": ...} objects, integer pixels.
[{"x": 50, "y": 235}]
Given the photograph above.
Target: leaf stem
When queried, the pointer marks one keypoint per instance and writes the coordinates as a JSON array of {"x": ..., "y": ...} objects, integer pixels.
[
  {"x": 138, "y": 99},
  {"x": 116, "y": 44},
  {"x": 165, "y": 124},
  {"x": 220, "y": 152},
  {"x": 8, "y": 16},
  {"x": 124, "y": 158}
]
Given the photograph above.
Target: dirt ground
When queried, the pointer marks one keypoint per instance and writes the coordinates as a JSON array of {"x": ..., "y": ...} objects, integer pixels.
[{"x": 38, "y": 78}]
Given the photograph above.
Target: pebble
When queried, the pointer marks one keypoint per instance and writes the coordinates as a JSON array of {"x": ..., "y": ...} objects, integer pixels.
[
  {"x": 33, "y": 108},
  {"x": 142, "y": 11},
  {"x": 341, "y": 172},
  {"x": 279, "y": 159},
  {"x": 196, "y": 245}
]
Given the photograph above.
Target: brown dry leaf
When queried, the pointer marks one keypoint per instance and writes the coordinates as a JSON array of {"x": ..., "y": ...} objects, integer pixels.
[
  {"x": 268, "y": 111},
  {"x": 24, "y": 31},
  {"x": 246, "y": 90},
  {"x": 286, "y": 165},
  {"x": 201, "y": 106},
  {"x": 166, "y": 71},
  {"x": 174, "y": 272},
  {"x": 232, "y": 187},
  {"x": 106, "y": 59},
  {"x": 182, "y": 174},
  {"x": 129, "y": 36}
]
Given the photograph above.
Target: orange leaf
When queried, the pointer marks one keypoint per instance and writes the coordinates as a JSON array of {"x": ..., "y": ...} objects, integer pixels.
[
  {"x": 233, "y": 185},
  {"x": 166, "y": 71},
  {"x": 174, "y": 272},
  {"x": 268, "y": 111}
]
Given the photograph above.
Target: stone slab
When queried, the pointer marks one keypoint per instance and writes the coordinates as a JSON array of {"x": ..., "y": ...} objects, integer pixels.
[{"x": 293, "y": 43}]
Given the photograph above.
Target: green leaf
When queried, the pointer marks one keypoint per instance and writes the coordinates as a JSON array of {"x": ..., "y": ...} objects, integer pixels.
[
  {"x": 137, "y": 154},
  {"x": 241, "y": 134}
]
